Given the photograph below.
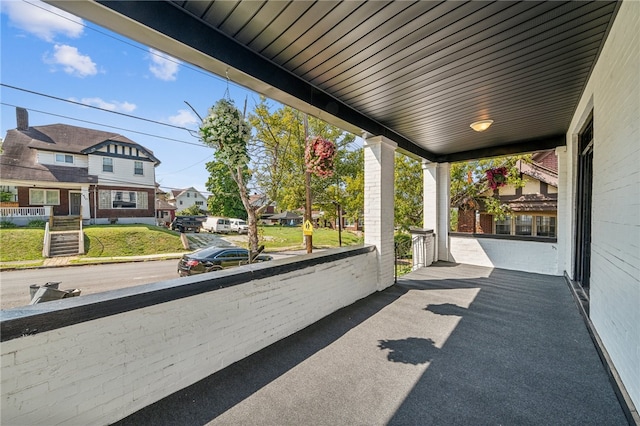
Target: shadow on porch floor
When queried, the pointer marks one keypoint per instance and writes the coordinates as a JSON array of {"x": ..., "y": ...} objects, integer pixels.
[{"x": 449, "y": 344}]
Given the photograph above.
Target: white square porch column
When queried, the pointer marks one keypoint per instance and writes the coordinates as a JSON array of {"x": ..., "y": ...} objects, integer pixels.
[
  {"x": 437, "y": 181},
  {"x": 379, "y": 165}
]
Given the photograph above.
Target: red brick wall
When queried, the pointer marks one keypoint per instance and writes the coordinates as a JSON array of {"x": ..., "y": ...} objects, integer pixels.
[
  {"x": 466, "y": 221},
  {"x": 111, "y": 213},
  {"x": 60, "y": 210},
  {"x": 485, "y": 225}
]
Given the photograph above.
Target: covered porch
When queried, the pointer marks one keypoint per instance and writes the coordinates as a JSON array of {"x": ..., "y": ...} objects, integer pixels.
[{"x": 449, "y": 344}]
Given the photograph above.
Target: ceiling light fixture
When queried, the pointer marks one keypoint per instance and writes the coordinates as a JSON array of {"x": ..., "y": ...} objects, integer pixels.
[{"x": 481, "y": 126}]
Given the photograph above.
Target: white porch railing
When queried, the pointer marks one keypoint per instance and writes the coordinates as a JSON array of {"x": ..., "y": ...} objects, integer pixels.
[{"x": 9, "y": 212}]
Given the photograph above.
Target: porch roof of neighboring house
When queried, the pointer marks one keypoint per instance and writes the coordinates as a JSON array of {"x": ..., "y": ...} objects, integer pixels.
[
  {"x": 164, "y": 205},
  {"x": 418, "y": 73}
]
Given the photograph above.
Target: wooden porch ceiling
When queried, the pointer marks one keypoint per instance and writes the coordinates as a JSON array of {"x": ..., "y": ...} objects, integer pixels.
[{"x": 418, "y": 73}]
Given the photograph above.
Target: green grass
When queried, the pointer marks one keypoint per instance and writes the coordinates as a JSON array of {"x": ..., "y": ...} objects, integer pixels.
[
  {"x": 21, "y": 244},
  {"x": 290, "y": 237},
  {"x": 129, "y": 240}
]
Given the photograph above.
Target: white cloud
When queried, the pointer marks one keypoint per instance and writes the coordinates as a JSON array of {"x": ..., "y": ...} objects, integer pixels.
[
  {"x": 42, "y": 20},
  {"x": 108, "y": 105},
  {"x": 183, "y": 118},
  {"x": 72, "y": 61},
  {"x": 162, "y": 65}
]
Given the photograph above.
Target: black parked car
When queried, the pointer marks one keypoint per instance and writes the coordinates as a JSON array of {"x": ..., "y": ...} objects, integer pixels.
[{"x": 215, "y": 258}]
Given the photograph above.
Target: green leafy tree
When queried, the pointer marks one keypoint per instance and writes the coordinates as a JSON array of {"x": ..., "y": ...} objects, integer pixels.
[
  {"x": 193, "y": 210},
  {"x": 278, "y": 150},
  {"x": 469, "y": 189},
  {"x": 225, "y": 199},
  {"x": 408, "y": 192}
]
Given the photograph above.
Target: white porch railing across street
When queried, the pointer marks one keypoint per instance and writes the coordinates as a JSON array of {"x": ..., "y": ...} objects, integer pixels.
[{"x": 9, "y": 212}]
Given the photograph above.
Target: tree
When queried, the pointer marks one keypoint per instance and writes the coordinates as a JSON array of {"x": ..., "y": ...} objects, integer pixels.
[
  {"x": 226, "y": 130},
  {"x": 469, "y": 189},
  {"x": 193, "y": 210},
  {"x": 408, "y": 192},
  {"x": 225, "y": 199},
  {"x": 278, "y": 154}
]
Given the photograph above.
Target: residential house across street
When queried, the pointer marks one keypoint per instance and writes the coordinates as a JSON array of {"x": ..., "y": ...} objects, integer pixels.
[{"x": 63, "y": 170}]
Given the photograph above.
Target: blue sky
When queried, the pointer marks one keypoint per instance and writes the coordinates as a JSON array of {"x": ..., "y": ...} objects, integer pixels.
[{"x": 57, "y": 55}]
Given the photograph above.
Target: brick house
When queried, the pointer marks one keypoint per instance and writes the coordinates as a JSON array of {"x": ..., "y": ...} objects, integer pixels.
[
  {"x": 533, "y": 207},
  {"x": 99, "y": 176}
]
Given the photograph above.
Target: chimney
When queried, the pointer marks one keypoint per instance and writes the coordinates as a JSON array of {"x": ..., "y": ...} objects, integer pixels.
[{"x": 22, "y": 118}]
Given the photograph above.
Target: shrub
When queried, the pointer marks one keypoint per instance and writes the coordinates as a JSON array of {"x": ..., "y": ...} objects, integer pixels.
[
  {"x": 402, "y": 243},
  {"x": 5, "y": 224},
  {"x": 36, "y": 224}
]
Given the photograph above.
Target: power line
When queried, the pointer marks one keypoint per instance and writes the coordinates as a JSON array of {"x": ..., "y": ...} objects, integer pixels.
[
  {"x": 94, "y": 107},
  {"x": 106, "y": 125}
]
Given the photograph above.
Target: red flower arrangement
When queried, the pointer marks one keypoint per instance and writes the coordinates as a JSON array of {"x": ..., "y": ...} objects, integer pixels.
[
  {"x": 319, "y": 155},
  {"x": 497, "y": 177}
]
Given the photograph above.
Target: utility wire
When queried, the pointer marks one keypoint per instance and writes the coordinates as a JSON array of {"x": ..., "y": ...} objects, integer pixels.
[
  {"x": 106, "y": 125},
  {"x": 94, "y": 107}
]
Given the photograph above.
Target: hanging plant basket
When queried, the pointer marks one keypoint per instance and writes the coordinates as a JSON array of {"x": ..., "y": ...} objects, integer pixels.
[
  {"x": 226, "y": 130},
  {"x": 497, "y": 177},
  {"x": 319, "y": 155}
]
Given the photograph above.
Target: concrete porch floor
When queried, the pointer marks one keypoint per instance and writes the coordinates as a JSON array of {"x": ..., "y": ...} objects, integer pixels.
[{"x": 449, "y": 344}]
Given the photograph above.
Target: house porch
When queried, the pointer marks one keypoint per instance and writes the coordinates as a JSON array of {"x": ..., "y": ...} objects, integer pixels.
[{"x": 449, "y": 344}]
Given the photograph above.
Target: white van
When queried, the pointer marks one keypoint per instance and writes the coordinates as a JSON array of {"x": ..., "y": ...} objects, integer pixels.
[
  {"x": 240, "y": 226},
  {"x": 220, "y": 225}
]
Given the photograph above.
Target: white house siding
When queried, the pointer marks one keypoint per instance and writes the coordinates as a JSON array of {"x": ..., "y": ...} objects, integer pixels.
[
  {"x": 123, "y": 172},
  {"x": 184, "y": 202},
  {"x": 613, "y": 94},
  {"x": 48, "y": 157}
]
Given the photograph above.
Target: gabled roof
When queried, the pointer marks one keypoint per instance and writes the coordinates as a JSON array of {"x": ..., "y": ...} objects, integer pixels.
[
  {"x": 19, "y": 159},
  {"x": 18, "y": 162},
  {"x": 178, "y": 192}
]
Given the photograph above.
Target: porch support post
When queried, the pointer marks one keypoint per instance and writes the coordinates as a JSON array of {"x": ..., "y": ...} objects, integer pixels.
[
  {"x": 563, "y": 217},
  {"x": 436, "y": 205},
  {"x": 84, "y": 203},
  {"x": 379, "y": 165}
]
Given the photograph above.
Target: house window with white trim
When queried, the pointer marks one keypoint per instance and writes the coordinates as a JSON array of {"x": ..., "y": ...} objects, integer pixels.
[
  {"x": 44, "y": 197},
  {"x": 138, "y": 168},
  {"x": 123, "y": 200},
  {"x": 107, "y": 164},
  {"x": 64, "y": 158}
]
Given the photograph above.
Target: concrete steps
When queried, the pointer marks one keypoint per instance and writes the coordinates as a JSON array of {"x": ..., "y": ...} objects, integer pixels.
[{"x": 64, "y": 244}]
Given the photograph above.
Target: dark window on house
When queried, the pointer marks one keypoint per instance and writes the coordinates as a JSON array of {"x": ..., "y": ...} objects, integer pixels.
[
  {"x": 107, "y": 164},
  {"x": 545, "y": 226},
  {"x": 188, "y": 194},
  {"x": 199, "y": 203},
  {"x": 64, "y": 158},
  {"x": 503, "y": 226},
  {"x": 137, "y": 168},
  {"x": 524, "y": 225}
]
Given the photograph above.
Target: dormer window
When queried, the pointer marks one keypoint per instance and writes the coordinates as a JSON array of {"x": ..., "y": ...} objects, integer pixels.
[{"x": 64, "y": 158}]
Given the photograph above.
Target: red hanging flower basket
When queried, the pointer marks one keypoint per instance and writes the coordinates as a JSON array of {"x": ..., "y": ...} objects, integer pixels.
[
  {"x": 497, "y": 177},
  {"x": 319, "y": 155}
]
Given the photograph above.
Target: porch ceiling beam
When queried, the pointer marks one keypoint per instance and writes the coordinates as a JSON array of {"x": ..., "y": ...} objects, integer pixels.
[{"x": 518, "y": 147}]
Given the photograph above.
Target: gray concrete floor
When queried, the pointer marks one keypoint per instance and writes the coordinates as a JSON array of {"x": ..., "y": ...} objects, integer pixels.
[{"x": 448, "y": 345}]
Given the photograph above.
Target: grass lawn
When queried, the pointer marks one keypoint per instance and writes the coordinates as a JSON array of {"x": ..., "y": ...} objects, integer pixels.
[
  {"x": 129, "y": 240},
  {"x": 21, "y": 244},
  {"x": 281, "y": 237}
]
